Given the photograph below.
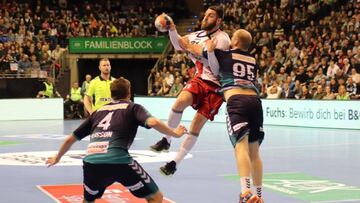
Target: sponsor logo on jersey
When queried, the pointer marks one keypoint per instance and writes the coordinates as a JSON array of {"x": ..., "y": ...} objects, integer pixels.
[
  {"x": 97, "y": 148},
  {"x": 239, "y": 126}
]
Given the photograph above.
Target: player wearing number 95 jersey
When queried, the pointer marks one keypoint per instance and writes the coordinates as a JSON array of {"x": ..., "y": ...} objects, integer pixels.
[
  {"x": 112, "y": 129},
  {"x": 237, "y": 72}
]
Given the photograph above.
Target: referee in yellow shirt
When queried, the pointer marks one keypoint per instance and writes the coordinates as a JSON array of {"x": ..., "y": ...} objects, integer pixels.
[{"x": 99, "y": 88}]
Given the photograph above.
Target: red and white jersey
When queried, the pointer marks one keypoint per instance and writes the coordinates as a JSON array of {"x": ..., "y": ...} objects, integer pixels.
[{"x": 202, "y": 66}]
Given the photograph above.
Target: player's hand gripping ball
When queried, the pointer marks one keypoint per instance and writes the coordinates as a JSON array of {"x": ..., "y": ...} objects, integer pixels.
[{"x": 163, "y": 22}]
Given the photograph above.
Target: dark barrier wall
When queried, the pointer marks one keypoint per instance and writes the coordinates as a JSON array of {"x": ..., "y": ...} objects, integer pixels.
[
  {"x": 135, "y": 70},
  {"x": 19, "y": 87}
]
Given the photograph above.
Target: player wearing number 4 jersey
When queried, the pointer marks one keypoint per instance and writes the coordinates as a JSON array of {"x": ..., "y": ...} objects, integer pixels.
[
  {"x": 237, "y": 71},
  {"x": 112, "y": 129},
  {"x": 200, "y": 92}
]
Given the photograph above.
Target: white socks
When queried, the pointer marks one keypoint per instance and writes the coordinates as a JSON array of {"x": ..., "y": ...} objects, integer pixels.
[
  {"x": 185, "y": 147},
  {"x": 173, "y": 121},
  {"x": 245, "y": 184},
  {"x": 258, "y": 190}
]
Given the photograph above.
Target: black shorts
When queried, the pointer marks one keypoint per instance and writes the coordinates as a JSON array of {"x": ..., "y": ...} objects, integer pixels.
[
  {"x": 245, "y": 117},
  {"x": 99, "y": 176}
]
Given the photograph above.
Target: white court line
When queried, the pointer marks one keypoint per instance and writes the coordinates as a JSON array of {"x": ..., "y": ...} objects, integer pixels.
[
  {"x": 48, "y": 136},
  {"x": 50, "y": 195},
  {"x": 283, "y": 147}
]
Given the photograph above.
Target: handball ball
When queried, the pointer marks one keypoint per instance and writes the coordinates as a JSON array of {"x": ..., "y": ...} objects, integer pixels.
[{"x": 163, "y": 22}]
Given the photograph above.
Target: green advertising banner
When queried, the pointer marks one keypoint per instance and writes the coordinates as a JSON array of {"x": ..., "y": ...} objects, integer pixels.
[{"x": 117, "y": 45}]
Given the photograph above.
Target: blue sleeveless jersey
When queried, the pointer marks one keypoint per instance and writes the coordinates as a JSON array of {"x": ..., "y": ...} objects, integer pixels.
[{"x": 237, "y": 69}]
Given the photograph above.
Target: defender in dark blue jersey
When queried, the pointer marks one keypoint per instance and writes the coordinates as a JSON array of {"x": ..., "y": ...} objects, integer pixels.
[
  {"x": 237, "y": 72},
  {"x": 112, "y": 129}
]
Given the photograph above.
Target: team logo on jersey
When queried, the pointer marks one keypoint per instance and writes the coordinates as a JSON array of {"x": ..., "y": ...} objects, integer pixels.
[{"x": 74, "y": 157}]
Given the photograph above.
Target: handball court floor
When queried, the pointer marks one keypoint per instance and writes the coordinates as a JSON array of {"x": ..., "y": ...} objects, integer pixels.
[{"x": 300, "y": 164}]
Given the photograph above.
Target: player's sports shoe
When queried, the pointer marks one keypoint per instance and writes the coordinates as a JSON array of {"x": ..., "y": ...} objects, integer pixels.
[
  {"x": 169, "y": 168},
  {"x": 161, "y": 145},
  {"x": 261, "y": 200},
  {"x": 248, "y": 197}
]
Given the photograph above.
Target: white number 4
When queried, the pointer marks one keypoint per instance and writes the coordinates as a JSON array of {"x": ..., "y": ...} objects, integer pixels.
[{"x": 105, "y": 122}]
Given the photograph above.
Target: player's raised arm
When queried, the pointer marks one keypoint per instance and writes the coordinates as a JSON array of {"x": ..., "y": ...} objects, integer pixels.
[
  {"x": 164, "y": 23},
  {"x": 174, "y": 38}
]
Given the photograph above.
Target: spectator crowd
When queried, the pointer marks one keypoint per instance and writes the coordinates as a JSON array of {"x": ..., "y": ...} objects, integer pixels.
[
  {"x": 305, "y": 49},
  {"x": 34, "y": 34}
]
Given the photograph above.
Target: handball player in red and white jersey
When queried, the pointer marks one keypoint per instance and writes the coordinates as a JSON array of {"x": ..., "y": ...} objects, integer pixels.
[{"x": 199, "y": 92}]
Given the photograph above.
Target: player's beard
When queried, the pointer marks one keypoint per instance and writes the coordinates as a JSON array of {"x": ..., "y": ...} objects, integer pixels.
[{"x": 208, "y": 26}]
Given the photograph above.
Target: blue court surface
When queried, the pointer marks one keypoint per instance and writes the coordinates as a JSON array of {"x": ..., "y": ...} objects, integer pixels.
[{"x": 300, "y": 164}]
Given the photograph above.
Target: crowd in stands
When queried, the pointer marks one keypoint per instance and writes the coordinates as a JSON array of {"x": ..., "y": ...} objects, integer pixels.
[
  {"x": 305, "y": 49},
  {"x": 173, "y": 73},
  {"x": 35, "y": 33}
]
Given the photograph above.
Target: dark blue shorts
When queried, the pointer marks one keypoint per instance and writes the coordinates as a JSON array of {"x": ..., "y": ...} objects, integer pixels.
[
  {"x": 244, "y": 117},
  {"x": 99, "y": 176}
]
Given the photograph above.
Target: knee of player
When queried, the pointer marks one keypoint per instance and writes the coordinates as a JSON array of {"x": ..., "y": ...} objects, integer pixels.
[
  {"x": 183, "y": 100},
  {"x": 254, "y": 155},
  {"x": 156, "y": 198},
  {"x": 180, "y": 105}
]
